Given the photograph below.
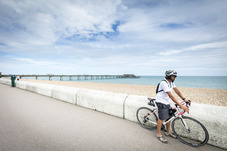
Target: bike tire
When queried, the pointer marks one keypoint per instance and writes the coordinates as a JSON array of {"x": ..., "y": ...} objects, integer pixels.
[
  {"x": 147, "y": 118},
  {"x": 197, "y": 134}
]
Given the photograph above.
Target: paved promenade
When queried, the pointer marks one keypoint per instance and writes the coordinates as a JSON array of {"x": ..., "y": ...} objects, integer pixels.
[{"x": 31, "y": 122}]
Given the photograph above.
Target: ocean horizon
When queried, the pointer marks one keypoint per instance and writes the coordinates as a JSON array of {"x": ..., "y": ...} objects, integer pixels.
[{"x": 210, "y": 82}]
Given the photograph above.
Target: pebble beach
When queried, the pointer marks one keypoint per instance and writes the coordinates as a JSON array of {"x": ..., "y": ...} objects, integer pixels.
[{"x": 199, "y": 95}]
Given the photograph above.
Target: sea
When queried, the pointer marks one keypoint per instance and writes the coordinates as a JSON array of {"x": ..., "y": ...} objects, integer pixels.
[{"x": 210, "y": 82}]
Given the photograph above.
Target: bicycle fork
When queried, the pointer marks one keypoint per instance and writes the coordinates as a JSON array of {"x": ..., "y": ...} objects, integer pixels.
[{"x": 185, "y": 124}]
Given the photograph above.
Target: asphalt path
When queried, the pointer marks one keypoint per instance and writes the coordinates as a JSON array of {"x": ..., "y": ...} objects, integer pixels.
[{"x": 32, "y": 122}]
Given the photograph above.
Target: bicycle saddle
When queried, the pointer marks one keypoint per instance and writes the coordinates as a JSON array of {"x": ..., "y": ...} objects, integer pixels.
[{"x": 151, "y": 101}]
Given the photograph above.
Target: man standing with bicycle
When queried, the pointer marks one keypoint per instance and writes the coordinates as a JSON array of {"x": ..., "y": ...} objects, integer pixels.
[{"x": 163, "y": 98}]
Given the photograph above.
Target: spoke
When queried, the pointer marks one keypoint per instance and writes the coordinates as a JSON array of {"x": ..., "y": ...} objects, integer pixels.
[
  {"x": 194, "y": 133},
  {"x": 146, "y": 118}
]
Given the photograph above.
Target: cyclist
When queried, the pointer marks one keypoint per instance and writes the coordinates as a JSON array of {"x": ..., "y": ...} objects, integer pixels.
[{"x": 163, "y": 98}]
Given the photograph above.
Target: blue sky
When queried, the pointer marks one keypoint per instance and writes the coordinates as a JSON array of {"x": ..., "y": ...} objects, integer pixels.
[{"x": 143, "y": 37}]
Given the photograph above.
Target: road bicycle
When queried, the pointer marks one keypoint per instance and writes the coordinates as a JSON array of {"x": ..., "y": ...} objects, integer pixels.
[{"x": 188, "y": 130}]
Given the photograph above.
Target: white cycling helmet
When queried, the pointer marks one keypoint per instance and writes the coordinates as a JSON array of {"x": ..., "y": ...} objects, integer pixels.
[{"x": 170, "y": 73}]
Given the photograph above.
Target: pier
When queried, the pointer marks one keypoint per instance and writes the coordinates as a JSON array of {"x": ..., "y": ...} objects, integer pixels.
[{"x": 73, "y": 77}]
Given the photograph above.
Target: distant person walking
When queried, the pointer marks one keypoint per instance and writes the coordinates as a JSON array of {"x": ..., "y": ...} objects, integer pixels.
[
  {"x": 163, "y": 98},
  {"x": 18, "y": 78}
]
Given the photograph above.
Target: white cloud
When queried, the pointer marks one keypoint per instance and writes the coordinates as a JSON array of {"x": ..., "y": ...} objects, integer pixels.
[
  {"x": 35, "y": 62},
  {"x": 179, "y": 21},
  {"x": 42, "y": 23},
  {"x": 200, "y": 47},
  {"x": 112, "y": 35}
]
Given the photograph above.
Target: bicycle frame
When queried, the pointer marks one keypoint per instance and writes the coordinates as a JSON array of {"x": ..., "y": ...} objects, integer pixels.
[
  {"x": 176, "y": 115},
  {"x": 188, "y": 130}
]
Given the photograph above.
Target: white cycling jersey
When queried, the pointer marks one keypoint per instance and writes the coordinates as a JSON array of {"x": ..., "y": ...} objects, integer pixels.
[{"x": 163, "y": 97}]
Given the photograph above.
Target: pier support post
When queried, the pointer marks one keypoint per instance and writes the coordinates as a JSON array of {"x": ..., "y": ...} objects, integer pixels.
[{"x": 70, "y": 78}]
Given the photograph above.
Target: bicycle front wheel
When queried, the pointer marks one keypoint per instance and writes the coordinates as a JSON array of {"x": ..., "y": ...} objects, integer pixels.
[
  {"x": 147, "y": 118},
  {"x": 190, "y": 131}
]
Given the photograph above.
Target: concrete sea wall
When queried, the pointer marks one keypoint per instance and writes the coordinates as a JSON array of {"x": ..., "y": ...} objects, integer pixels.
[{"x": 214, "y": 118}]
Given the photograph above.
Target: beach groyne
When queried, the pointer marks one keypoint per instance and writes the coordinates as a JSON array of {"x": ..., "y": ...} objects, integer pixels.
[{"x": 125, "y": 106}]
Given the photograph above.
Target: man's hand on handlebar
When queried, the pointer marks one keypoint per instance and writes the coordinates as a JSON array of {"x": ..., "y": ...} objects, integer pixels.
[
  {"x": 185, "y": 108},
  {"x": 186, "y": 100}
]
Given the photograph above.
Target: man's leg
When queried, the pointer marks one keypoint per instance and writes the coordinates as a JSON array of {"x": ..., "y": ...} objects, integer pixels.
[
  {"x": 168, "y": 127},
  {"x": 159, "y": 126},
  {"x": 168, "y": 130},
  {"x": 159, "y": 136}
]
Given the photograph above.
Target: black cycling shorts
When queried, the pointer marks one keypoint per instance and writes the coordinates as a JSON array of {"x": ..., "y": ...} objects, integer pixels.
[{"x": 163, "y": 111}]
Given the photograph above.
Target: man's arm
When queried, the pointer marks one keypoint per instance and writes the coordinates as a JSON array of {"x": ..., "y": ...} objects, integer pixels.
[
  {"x": 177, "y": 102},
  {"x": 180, "y": 94}
]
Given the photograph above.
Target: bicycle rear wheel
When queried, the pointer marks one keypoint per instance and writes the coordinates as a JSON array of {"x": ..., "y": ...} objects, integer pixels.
[
  {"x": 147, "y": 118},
  {"x": 196, "y": 135}
]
